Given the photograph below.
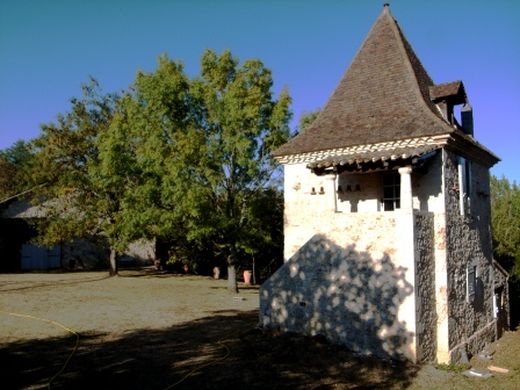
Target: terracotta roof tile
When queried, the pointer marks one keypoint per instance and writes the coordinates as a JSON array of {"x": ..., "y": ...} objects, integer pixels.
[
  {"x": 453, "y": 91},
  {"x": 383, "y": 96},
  {"x": 353, "y": 159}
]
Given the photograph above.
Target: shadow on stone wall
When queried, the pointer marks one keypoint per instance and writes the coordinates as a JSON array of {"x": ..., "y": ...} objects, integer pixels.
[{"x": 340, "y": 293}]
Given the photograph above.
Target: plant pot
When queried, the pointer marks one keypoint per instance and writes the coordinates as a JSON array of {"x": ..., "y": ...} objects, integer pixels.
[
  {"x": 247, "y": 276},
  {"x": 216, "y": 272},
  {"x": 186, "y": 268}
]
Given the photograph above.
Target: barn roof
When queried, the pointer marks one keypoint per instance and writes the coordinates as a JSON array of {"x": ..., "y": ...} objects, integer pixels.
[{"x": 383, "y": 96}]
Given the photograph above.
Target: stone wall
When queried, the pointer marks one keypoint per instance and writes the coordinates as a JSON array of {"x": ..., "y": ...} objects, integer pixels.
[
  {"x": 359, "y": 192},
  {"x": 140, "y": 252},
  {"x": 349, "y": 275},
  {"x": 425, "y": 288},
  {"x": 344, "y": 294},
  {"x": 334, "y": 248},
  {"x": 427, "y": 186},
  {"x": 468, "y": 243}
]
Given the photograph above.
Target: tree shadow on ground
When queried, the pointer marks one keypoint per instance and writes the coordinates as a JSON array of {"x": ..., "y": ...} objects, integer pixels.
[{"x": 224, "y": 350}]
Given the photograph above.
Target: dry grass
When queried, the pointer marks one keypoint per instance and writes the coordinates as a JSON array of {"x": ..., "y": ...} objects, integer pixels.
[{"x": 152, "y": 331}]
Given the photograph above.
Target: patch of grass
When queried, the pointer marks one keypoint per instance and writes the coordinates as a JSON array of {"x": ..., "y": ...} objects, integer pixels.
[{"x": 455, "y": 368}]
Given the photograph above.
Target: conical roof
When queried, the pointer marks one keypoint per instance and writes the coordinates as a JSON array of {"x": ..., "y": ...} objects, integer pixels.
[{"x": 383, "y": 96}]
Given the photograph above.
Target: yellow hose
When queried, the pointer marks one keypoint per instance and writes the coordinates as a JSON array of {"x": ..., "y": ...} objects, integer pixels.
[{"x": 56, "y": 323}]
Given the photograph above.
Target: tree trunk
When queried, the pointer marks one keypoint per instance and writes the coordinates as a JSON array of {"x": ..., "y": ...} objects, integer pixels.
[
  {"x": 232, "y": 275},
  {"x": 254, "y": 271},
  {"x": 113, "y": 262}
]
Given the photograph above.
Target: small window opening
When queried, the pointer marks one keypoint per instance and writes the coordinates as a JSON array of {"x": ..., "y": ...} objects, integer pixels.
[
  {"x": 464, "y": 169},
  {"x": 391, "y": 191},
  {"x": 471, "y": 283}
]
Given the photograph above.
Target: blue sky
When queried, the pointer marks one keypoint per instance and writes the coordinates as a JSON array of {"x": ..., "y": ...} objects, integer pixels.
[{"x": 48, "y": 48}]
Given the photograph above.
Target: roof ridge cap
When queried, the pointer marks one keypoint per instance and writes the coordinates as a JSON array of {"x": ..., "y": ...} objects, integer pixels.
[{"x": 448, "y": 82}]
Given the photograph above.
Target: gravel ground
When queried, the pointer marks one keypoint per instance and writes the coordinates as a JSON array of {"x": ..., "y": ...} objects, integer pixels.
[
  {"x": 160, "y": 331},
  {"x": 92, "y": 302}
]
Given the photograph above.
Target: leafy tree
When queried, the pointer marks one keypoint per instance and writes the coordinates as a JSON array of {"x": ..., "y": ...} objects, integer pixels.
[
  {"x": 16, "y": 166},
  {"x": 7, "y": 174},
  {"x": 505, "y": 205},
  {"x": 199, "y": 153},
  {"x": 307, "y": 118},
  {"x": 182, "y": 160},
  {"x": 79, "y": 202},
  {"x": 149, "y": 152},
  {"x": 505, "y": 216},
  {"x": 242, "y": 124}
]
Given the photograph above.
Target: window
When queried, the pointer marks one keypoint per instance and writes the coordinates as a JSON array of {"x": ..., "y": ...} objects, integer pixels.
[
  {"x": 391, "y": 191},
  {"x": 464, "y": 171},
  {"x": 471, "y": 283}
]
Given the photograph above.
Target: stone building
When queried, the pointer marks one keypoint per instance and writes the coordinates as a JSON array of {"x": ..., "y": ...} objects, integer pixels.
[{"x": 387, "y": 216}]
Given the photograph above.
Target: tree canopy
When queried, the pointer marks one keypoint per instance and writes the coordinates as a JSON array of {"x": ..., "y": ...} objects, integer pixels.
[
  {"x": 505, "y": 217},
  {"x": 78, "y": 203},
  {"x": 307, "y": 118},
  {"x": 16, "y": 167},
  {"x": 184, "y": 160},
  {"x": 505, "y": 205},
  {"x": 242, "y": 125}
]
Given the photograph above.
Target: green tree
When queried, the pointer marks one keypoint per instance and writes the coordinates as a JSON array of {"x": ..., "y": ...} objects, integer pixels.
[
  {"x": 79, "y": 203},
  {"x": 16, "y": 169},
  {"x": 7, "y": 174},
  {"x": 505, "y": 217},
  {"x": 149, "y": 152},
  {"x": 307, "y": 118},
  {"x": 178, "y": 159},
  {"x": 505, "y": 206},
  {"x": 242, "y": 124}
]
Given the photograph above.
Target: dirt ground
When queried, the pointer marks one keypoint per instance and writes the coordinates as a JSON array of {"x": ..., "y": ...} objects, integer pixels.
[{"x": 160, "y": 331}]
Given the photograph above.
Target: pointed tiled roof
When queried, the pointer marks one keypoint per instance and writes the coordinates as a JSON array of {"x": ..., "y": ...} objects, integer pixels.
[{"x": 383, "y": 96}]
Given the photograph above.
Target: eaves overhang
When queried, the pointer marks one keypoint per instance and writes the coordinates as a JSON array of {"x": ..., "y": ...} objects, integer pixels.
[{"x": 375, "y": 160}]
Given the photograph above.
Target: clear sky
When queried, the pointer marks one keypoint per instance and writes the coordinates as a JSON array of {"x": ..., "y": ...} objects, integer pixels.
[{"x": 48, "y": 48}]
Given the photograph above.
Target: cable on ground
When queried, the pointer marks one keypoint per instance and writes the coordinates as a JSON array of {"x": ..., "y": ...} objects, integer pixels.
[{"x": 55, "y": 323}]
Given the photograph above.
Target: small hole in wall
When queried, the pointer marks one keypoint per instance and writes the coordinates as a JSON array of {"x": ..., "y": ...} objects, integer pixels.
[
  {"x": 313, "y": 191},
  {"x": 322, "y": 191},
  {"x": 358, "y": 187}
]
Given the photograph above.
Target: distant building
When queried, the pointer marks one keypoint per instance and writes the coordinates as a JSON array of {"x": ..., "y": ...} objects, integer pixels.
[
  {"x": 387, "y": 216},
  {"x": 19, "y": 253}
]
